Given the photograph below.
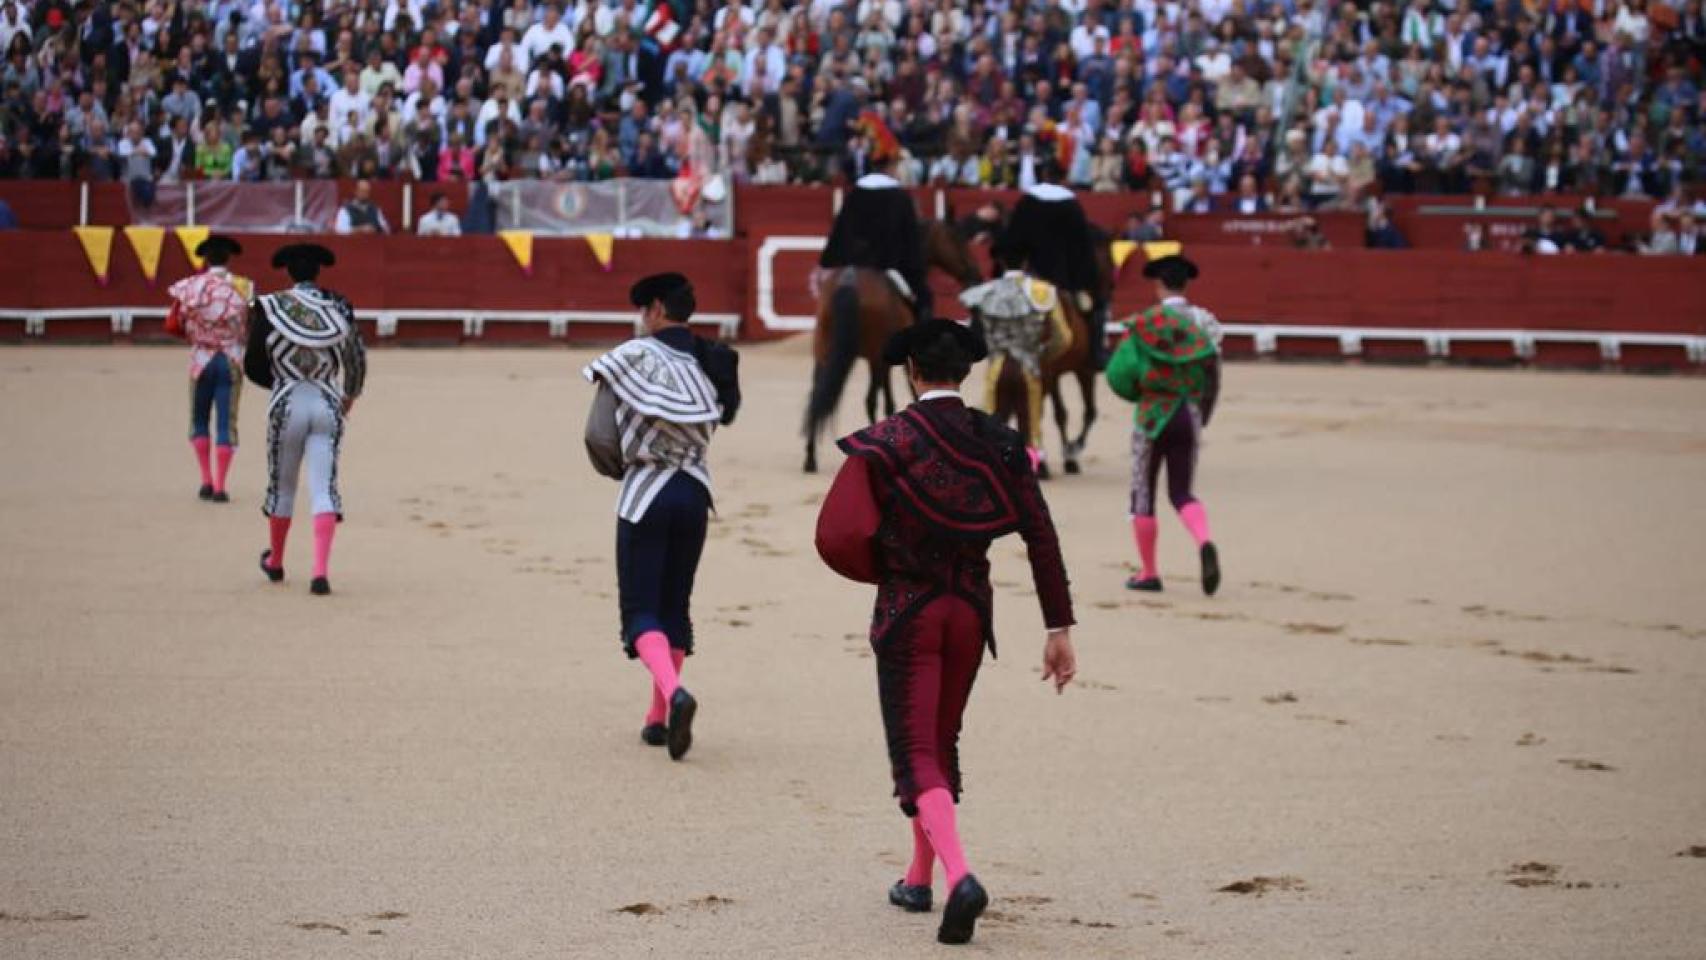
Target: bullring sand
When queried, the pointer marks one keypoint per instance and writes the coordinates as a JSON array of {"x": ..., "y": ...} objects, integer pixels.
[{"x": 1448, "y": 704}]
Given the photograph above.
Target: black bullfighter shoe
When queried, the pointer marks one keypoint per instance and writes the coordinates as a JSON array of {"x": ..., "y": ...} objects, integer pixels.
[
  {"x": 913, "y": 898},
  {"x": 654, "y": 735},
  {"x": 1210, "y": 569},
  {"x": 959, "y": 915},
  {"x": 682, "y": 707}
]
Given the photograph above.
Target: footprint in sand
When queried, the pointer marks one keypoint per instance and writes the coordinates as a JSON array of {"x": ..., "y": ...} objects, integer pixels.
[
  {"x": 1261, "y": 886},
  {"x": 641, "y": 909},
  {"x": 1323, "y": 718},
  {"x": 55, "y": 916},
  {"x": 1284, "y": 696},
  {"x": 316, "y": 925},
  {"x": 1578, "y": 763},
  {"x": 1694, "y": 851},
  {"x": 1315, "y": 629},
  {"x": 1533, "y": 873},
  {"x": 1529, "y": 740},
  {"x": 710, "y": 901},
  {"x": 1380, "y": 642},
  {"x": 1541, "y": 656},
  {"x": 1092, "y": 924}
]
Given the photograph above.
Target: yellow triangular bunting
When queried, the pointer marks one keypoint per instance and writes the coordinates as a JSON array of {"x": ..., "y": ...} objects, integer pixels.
[
  {"x": 147, "y": 242},
  {"x": 520, "y": 244},
  {"x": 191, "y": 237},
  {"x": 1162, "y": 248},
  {"x": 1122, "y": 250},
  {"x": 603, "y": 246},
  {"x": 98, "y": 247}
]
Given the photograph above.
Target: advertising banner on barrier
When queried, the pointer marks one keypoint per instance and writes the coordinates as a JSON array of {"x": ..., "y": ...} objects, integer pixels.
[
  {"x": 300, "y": 206},
  {"x": 625, "y": 208}
]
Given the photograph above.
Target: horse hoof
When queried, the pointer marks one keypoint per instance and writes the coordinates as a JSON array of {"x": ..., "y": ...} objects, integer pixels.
[
  {"x": 810, "y": 468},
  {"x": 1072, "y": 467}
]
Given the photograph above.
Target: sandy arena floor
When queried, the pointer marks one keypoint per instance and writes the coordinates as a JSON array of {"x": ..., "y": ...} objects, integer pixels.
[{"x": 1442, "y": 709}]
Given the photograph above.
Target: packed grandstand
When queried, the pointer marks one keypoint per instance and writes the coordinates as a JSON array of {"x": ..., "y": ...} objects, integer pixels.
[{"x": 1276, "y": 105}]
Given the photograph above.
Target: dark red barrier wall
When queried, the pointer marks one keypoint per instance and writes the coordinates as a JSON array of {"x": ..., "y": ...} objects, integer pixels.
[
  {"x": 1370, "y": 289},
  {"x": 47, "y": 269},
  {"x": 1445, "y": 290}
]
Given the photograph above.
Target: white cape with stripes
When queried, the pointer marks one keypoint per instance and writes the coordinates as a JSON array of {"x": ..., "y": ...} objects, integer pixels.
[
  {"x": 657, "y": 381},
  {"x": 667, "y": 412}
]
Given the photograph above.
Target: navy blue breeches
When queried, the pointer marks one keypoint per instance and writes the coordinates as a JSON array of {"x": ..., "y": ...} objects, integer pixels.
[
  {"x": 214, "y": 391},
  {"x": 656, "y": 560}
]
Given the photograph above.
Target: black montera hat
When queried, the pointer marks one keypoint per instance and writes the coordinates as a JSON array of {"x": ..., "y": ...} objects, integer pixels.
[
  {"x": 1173, "y": 270},
  {"x": 656, "y": 287},
  {"x": 218, "y": 248},
  {"x": 303, "y": 254},
  {"x": 905, "y": 344}
]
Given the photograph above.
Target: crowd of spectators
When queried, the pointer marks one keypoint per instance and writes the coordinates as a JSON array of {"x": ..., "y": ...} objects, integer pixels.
[{"x": 1212, "y": 104}]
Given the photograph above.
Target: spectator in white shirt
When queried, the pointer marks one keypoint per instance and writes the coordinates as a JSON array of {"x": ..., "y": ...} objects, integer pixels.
[
  {"x": 1328, "y": 171},
  {"x": 768, "y": 80},
  {"x": 361, "y": 214},
  {"x": 518, "y": 54},
  {"x": 547, "y": 33},
  {"x": 349, "y": 99},
  {"x": 1084, "y": 35},
  {"x": 439, "y": 221},
  {"x": 497, "y": 106}
]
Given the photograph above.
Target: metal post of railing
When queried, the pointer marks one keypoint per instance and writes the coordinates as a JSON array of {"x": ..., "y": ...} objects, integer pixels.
[
  {"x": 622, "y": 204},
  {"x": 298, "y": 201},
  {"x": 514, "y": 207},
  {"x": 408, "y": 206},
  {"x": 189, "y": 202},
  {"x": 83, "y": 205}
]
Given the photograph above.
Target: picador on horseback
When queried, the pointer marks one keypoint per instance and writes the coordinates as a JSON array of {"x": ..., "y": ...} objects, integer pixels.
[
  {"x": 1056, "y": 242},
  {"x": 872, "y": 282},
  {"x": 877, "y": 228}
]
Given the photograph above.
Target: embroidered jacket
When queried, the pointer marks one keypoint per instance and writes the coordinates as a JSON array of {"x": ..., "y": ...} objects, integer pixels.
[
  {"x": 213, "y": 305},
  {"x": 948, "y": 481},
  {"x": 1165, "y": 360},
  {"x": 654, "y": 416},
  {"x": 306, "y": 335}
]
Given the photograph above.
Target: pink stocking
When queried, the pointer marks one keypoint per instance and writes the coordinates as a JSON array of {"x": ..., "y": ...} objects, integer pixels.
[
  {"x": 278, "y": 528},
  {"x": 653, "y": 648},
  {"x": 660, "y": 707},
  {"x": 936, "y": 815},
  {"x": 1196, "y": 521},
  {"x": 325, "y": 526},
  {"x": 1147, "y": 531},
  {"x": 203, "y": 446},
  {"x": 923, "y": 858},
  {"x": 225, "y": 453}
]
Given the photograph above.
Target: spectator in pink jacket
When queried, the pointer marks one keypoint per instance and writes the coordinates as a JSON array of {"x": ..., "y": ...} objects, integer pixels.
[{"x": 456, "y": 160}]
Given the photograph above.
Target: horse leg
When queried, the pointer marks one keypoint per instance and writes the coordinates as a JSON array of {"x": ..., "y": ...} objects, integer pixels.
[
  {"x": 871, "y": 392},
  {"x": 1087, "y": 389},
  {"x": 811, "y": 429},
  {"x": 1069, "y": 460},
  {"x": 888, "y": 393}
]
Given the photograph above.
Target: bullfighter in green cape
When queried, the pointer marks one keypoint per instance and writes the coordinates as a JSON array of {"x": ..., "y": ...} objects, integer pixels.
[{"x": 1169, "y": 365}]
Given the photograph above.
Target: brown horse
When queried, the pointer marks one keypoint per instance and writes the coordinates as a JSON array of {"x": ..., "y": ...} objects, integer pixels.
[
  {"x": 1074, "y": 360},
  {"x": 861, "y": 310}
]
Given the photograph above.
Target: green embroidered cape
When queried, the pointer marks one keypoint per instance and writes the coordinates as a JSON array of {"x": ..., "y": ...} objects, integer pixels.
[{"x": 1162, "y": 362}]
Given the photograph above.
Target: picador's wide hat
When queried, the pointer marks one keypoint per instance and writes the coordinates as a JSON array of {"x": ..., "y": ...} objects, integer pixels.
[
  {"x": 218, "y": 247},
  {"x": 656, "y": 287},
  {"x": 1173, "y": 270},
  {"x": 303, "y": 254},
  {"x": 906, "y": 344}
]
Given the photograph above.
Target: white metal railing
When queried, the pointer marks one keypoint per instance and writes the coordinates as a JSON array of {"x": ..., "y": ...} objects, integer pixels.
[{"x": 558, "y": 322}]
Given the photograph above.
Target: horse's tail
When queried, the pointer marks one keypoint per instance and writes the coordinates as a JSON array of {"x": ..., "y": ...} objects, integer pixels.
[{"x": 831, "y": 374}]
